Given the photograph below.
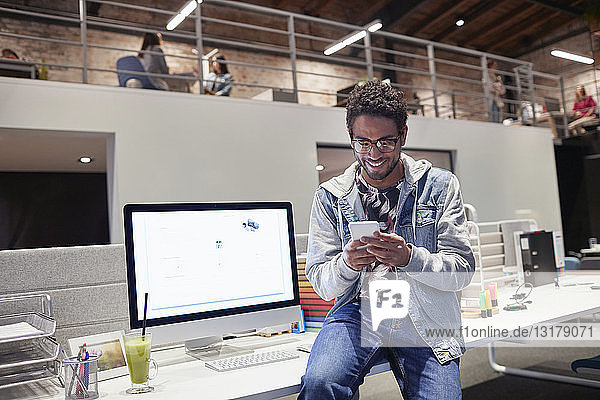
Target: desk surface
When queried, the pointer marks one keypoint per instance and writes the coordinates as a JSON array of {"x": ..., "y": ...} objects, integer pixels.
[
  {"x": 180, "y": 375},
  {"x": 549, "y": 305}
]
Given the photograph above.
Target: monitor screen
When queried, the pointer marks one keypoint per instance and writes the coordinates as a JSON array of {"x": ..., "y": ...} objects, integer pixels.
[{"x": 205, "y": 260}]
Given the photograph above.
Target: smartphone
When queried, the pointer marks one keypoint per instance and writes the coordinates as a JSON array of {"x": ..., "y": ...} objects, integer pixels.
[{"x": 363, "y": 228}]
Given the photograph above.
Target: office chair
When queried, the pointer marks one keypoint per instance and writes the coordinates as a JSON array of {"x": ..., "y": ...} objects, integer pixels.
[
  {"x": 471, "y": 212},
  {"x": 125, "y": 68}
]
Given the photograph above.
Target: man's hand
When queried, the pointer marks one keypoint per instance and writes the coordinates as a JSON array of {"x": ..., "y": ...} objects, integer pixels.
[
  {"x": 356, "y": 255},
  {"x": 388, "y": 248}
]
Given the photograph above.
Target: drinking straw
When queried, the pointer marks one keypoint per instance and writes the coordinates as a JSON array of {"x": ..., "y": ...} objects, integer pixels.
[{"x": 145, "y": 309}]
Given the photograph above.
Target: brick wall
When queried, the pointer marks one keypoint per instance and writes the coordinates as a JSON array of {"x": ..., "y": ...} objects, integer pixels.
[
  {"x": 245, "y": 76},
  {"x": 574, "y": 73},
  {"x": 106, "y": 59}
]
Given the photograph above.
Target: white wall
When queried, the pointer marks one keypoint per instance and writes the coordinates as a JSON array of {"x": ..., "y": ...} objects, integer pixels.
[{"x": 180, "y": 147}]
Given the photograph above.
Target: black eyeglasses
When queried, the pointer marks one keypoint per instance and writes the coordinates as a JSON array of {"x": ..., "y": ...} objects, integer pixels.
[{"x": 384, "y": 145}]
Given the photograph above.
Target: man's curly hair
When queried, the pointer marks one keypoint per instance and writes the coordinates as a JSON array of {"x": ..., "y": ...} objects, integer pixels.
[{"x": 377, "y": 99}]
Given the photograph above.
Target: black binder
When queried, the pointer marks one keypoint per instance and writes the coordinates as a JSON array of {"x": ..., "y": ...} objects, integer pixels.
[{"x": 537, "y": 253}]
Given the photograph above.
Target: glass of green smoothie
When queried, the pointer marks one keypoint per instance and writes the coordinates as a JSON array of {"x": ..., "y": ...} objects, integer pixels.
[{"x": 137, "y": 352}]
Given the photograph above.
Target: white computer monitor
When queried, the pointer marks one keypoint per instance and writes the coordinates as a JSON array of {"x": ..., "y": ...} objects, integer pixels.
[{"x": 210, "y": 268}]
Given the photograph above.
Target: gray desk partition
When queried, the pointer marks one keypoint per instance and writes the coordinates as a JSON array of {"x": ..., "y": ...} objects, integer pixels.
[
  {"x": 301, "y": 243},
  {"x": 87, "y": 285}
]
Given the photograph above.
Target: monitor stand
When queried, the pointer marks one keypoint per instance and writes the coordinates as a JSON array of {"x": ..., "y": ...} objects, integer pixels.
[{"x": 212, "y": 348}]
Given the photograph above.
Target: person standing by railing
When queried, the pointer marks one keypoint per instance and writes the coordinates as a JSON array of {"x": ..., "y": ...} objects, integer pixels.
[
  {"x": 154, "y": 63},
  {"x": 497, "y": 89}
]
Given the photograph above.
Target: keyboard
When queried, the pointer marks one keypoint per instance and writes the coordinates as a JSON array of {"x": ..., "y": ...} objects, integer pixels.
[{"x": 250, "y": 360}]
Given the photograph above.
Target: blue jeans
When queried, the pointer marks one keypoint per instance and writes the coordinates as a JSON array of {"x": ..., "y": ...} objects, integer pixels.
[
  {"x": 495, "y": 112},
  {"x": 338, "y": 363}
]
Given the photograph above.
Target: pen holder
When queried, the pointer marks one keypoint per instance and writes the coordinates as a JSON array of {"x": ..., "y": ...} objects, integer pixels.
[{"x": 81, "y": 378}]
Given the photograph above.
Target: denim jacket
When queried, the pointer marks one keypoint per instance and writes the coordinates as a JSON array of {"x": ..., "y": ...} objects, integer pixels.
[
  {"x": 431, "y": 219},
  {"x": 221, "y": 83}
]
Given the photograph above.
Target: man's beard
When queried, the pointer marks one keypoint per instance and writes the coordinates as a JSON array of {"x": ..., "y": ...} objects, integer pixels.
[{"x": 383, "y": 174}]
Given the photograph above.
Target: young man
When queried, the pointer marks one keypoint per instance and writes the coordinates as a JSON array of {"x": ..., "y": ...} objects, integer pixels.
[{"x": 423, "y": 240}]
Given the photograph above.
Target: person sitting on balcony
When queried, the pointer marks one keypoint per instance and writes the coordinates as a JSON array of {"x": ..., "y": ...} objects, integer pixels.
[
  {"x": 154, "y": 63},
  {"x": 8, "y": 53},
  {"x": 218, "y": 82},
  {"x": 584, "y": 109}
]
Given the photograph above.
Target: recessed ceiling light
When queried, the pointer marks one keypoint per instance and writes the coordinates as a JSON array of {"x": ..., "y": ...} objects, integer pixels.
[
  {"x": 320, "y": 167},
  {"x": 85, "y": 160},
  {"x": 460, "y": 22}
]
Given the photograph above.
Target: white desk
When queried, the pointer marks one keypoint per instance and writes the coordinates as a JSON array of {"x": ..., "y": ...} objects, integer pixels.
[
  {"x": 181, "y": 375},
  {"x": 550, "y": 305}
]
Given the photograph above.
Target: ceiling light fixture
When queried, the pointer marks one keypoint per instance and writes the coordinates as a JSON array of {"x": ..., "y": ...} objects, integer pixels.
[
  {"x": 460, "y": 22},
  {"x": 353, "y": 37},
  {"x": 185, "y": 11},
  {"x": 572, "y": 57},
  {"x": 210, "y": 53},
  {"x": 85, "y": 160},
  {"x": 319, "y": 167},
  {"x": 334, "y": 48},
  {"x": 375, "y": 26}
]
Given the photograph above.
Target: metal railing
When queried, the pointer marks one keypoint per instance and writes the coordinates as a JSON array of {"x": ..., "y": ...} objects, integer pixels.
[{"x": 265, "y": 45}]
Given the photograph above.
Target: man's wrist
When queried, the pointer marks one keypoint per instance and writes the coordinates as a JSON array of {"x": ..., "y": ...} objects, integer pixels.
[
  {"x": 410, "y": 251},
  {"x": 347, "y": 266}
]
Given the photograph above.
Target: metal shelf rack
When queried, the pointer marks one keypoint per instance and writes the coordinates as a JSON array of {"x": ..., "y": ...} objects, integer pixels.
[{"x": 28, "y": 352}]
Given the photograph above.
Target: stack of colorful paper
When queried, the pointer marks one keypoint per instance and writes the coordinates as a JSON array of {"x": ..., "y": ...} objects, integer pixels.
[{"x": 314, "y": 307}]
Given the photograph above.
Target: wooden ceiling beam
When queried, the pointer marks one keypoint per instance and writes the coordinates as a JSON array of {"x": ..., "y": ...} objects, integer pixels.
[
  {"x": 283, "y": 4},
  {"x": 390, "y": 14},
  {"x": 394, "y": 12},
  {"x": 500, "y": 24},
  {"x": 556, "y": 6},
  {"x": 483, "y": 7},
  {"x": 319, "y": 6},
  {"x": 441, "y": 12},
  {"x": 582, "y": 30},
  {"x": 544, "y": 25}
]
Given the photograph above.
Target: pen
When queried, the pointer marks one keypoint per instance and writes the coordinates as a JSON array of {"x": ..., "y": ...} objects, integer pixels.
[
  {"x": 73, "y": 368},
  {"x": 75, "y": 375}
]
